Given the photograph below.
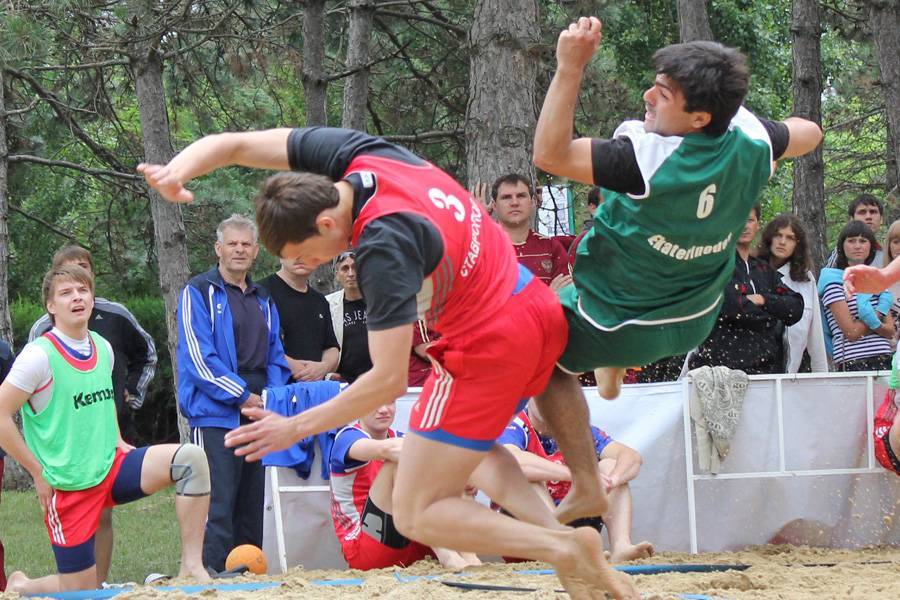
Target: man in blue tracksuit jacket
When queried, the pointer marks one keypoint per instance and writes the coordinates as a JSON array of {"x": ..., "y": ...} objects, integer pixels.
[{"x": 229, "y": 349}]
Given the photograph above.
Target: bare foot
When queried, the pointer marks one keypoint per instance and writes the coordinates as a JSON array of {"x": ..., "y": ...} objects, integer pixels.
[
  {"x": 609, "y": 381},
  {"x": 631, "y": 552},
  {"x": 471, "y": 559},
  {"x": 16, "y": 582},
  {"x": 582, "y": 502},
  {"x": 198, "y": 573},
  {"x": 585, "y": 573},
  {"x": 451, "y": 559}
]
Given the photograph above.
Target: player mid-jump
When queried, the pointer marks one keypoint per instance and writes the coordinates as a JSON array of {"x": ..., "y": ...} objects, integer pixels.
[{"x": 648, "y": 277}]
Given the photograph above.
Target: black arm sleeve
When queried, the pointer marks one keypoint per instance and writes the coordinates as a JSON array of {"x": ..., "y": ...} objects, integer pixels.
[
  {"x": 329, "y": 150},
  {"x": 778, "y": 135},
  {"x": 394, "y": 255},
  {"x": 615, "y": 166}
]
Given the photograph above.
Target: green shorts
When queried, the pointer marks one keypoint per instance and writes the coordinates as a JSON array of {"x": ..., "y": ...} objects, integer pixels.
[{"x": 633, "y": 345}]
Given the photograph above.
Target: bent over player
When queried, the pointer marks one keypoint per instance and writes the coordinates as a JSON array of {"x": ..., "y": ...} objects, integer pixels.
[
  {"x": 62, "y": 383},
  {"x": 424, "y": 249},
  {"x": 648, "y": 277}
]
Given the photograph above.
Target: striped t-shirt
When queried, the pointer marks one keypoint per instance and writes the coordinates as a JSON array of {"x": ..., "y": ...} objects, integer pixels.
[{"x": 867, "y": 346}]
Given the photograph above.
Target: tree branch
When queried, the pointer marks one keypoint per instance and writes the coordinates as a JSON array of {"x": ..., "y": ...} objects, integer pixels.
[
  {"x": 48, "y": 225},
  {"x": 62, "y": 110},
  {"x": 459, "y": 31},
  {"x": 70, "y": 165},
  {"x": 369, "y": 64},
  {"x": 82, "y": 66},
  {"x": 424, "y": 137},
  {"x": 20, "y": 111}
]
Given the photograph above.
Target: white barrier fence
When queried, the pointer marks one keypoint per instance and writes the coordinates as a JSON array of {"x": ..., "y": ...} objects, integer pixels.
[{"x": 801, "y": 470}]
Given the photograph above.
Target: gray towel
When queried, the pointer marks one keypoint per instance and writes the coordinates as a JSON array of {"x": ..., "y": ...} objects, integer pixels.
[{"x": 717, "y": 395}]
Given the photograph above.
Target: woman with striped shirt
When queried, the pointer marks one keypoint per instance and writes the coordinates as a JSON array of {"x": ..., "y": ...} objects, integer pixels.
[{"x": 860, "y": 326}]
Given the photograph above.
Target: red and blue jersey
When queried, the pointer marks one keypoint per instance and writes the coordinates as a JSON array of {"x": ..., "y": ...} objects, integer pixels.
[
  {"x": 351, "y": 481},
  {"x": 522, "y": 434}
]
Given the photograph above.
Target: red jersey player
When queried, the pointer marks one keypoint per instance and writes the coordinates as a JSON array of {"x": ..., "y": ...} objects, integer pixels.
[{"x": 424, "y": 248}]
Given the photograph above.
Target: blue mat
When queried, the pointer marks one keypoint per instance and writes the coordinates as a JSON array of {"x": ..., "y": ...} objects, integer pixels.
[
  {"x": 188, "y": 589},
  {"x": 238, "y": 587},
  {"x": 656, "y": 569}
]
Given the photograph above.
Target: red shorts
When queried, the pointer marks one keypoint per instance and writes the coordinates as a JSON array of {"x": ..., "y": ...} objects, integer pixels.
[
  {"x": 480, "y": 378},
  {"x": 74, "y": 516},
  {"x": 365, "y": 552},
  {"x": 884, "y": 420}
]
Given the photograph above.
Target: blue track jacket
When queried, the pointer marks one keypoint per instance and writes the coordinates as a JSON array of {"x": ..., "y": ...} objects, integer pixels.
[{"x": 209, "y": 388}]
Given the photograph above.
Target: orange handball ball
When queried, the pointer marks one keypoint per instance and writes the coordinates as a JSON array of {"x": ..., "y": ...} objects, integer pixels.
[{"x": 247, "y": 555}]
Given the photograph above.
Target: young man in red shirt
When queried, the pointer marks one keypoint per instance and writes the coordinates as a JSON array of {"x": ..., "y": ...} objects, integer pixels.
[
  {"x": 424, "y": 249},
  {"x": 515, "y": 203}
]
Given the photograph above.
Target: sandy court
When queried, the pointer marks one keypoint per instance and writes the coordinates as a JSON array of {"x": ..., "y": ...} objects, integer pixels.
[{"x": 775, "y": 572}]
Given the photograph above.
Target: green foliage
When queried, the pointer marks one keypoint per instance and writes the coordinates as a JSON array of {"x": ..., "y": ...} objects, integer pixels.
[{"x": 24, "y": 312}]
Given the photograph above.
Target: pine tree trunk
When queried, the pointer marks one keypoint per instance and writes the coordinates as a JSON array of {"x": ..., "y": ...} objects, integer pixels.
[
  {"x": 809, "y": 170},
  {"x": 693, "y": 21},
  {"x": 168, "y": 224},
  {"x": 884, "y": 20},
  {"x": 14, "y": 476},
  {"x": 356, "y": 86},
  {"x": 6, "y": 332},
  {"x": 312, "y": 71},
  {"x": 501, "y": 115}
]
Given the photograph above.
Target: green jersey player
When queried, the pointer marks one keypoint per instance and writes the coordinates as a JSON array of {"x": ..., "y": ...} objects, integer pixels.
[{"x": 648, "y": 278}]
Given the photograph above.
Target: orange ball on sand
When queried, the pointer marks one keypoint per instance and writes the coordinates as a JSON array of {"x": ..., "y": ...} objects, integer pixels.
[{"x": 247, "y": 555}]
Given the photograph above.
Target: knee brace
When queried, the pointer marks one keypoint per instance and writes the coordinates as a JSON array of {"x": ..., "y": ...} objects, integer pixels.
[{"x": 190, "y": 471}]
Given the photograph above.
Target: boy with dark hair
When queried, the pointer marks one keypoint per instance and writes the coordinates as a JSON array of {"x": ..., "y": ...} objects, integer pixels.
[
  {"x": 62, "y": 384},
  {"x": 425, "y": 249},
  {"x": 514, "y": 204},
  {"x": 511, "y": 179},
  {"x": 649, "y": 275}
]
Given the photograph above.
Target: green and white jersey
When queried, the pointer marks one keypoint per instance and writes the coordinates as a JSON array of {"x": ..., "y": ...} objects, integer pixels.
[{"x": 664, "y": 256}]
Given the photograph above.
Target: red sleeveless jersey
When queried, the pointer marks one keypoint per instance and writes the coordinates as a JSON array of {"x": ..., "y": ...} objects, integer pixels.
[
  {"x": 557, "y": 489},
  {"x": 478, "y": 270}
]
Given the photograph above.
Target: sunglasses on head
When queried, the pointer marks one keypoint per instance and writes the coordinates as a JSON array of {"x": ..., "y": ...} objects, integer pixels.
[{"x": 345, "y": 255}]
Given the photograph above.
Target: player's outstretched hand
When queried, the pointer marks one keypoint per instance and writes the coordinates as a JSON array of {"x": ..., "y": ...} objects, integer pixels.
[
  {"x": 162, "y": 179},
  {"x": 864, "y": 279},
  {"x": 577, "y": 44},
  {"x": 270, "y": 432}
]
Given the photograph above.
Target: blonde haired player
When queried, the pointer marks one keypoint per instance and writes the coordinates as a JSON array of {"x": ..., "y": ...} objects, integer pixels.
[{"x": 62, "y": 384}]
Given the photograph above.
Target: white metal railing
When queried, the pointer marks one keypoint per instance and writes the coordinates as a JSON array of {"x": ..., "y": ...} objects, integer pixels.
[{"x": 692, "y": 478}]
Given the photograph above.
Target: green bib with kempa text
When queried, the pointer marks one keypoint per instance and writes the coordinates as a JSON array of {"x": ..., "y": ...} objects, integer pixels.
[{"x": 74, "y": 437}]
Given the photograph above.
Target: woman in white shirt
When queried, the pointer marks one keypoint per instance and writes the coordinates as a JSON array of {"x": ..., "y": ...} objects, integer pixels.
[{"x": 784, "y": 245}]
